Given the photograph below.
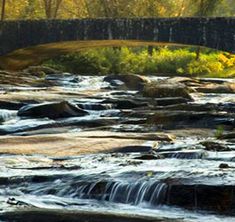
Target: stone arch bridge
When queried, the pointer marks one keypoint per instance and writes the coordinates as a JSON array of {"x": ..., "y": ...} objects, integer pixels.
[{"x": 216, "y": 33}]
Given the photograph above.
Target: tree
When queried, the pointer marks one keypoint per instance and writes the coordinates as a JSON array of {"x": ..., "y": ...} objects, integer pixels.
[
  {"x": 205, "y": 8},
  {"x": 3, "y": 9},
  {"x": 51, "y": 8}
]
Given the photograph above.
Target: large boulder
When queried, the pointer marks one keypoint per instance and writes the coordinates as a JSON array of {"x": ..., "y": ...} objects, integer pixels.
[
  {"x": 132, "y": 81},
  {"x": 165, "y": 89},
  {"x": 52, "y": 110}
]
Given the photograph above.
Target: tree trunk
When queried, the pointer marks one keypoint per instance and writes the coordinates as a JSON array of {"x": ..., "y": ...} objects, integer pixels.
[
  {"x": 150, "y": 50},
  {"x": 198, "y": 53},
  {"x": 3, "y": 10},
  {"x": 56, "y": 9}
]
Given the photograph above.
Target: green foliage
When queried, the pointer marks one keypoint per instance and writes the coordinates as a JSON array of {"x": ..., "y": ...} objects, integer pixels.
[
  {"x": 172, "y": 61},
  {"x": 219, "y": 132}
]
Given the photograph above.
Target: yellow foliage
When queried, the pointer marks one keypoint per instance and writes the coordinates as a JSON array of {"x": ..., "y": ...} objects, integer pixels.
[{"x": 227, "y": 61}]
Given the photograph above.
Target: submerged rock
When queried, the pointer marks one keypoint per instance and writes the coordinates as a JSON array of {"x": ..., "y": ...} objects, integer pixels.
[
  {"x": 52, "y": 110},
  {"x": 134, "y": 82}
]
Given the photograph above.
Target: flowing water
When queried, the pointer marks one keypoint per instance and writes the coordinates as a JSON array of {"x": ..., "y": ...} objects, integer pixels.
[{"x": 117, "y": 183}]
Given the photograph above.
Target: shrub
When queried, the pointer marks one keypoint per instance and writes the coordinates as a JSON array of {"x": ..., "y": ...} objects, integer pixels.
[{"x": 173, "y": 60}]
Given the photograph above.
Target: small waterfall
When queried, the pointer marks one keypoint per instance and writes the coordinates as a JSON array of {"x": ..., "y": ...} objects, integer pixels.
[
  {"x": 6, "y": 114},
  {"x": 153, "y": 193}
]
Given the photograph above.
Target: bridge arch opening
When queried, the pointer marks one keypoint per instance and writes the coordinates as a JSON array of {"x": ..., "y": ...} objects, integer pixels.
[{"x": 35, "y": 55}]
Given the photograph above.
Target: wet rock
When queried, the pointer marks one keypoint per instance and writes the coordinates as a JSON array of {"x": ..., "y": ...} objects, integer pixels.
[
  {"x": 134, "y": 82},
  {"x": 207, "y": 107},
  {"x": 148, "y": 157},
  {"x": 58, "y": 126},
  {"x": 13, "y": 201},
  {"x": 202, "y": 197},
  {"x": 214, "y": 146},
  {"x": 179, "y": 119},
  {"x": 227, "y": 136},
  {"x": 224, "y": 166},
  {"x": 170, "y": 101},
  {"x": 52, "y": 110},
  {"x": 162, "y": 89},
  {"x": 185, "y": 154},
  {"x": 11, "y": 105},
  {"x": 38, "y": 215},
  {"x": 217, "y": 88},
  {"x": 125, "y": 103},
  {"x": 133, "y": 149},
  {"x": 94, "y": 106}
]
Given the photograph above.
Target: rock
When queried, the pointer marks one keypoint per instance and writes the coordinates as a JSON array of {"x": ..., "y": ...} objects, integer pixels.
[
  {"x": 134, "y": 82},
  {"x": 227, "y": 136},
  {"x": 224, "y": 166},
  {"x": 217, "y": 88},
  {"x": 197, "y": 107},
  {"x": 67, "y": 144},
  {"x": 185, "y": 80},
  {"x": 162, "y": 89},
  {"x": 40, "y": 70},
  {"x": 11, "y": 105},
  {"x": 214, "y": 146},
  {"x": 148, "y": 157},
  {"x": 125, "y": 103},
  {"x": 138, "y": 136},
  {"x": 181, "y": 119},
  {"x": 133, "y": 149},
  {"x": 13, "y": 201},
  {"x": 202, "y": 197},
  {"x": 189, "y": 154},
  {"x": 52, "y": 110},
  {"x": 94, "y": 106},
  {"x": 38, "y": 215},
  {"x": 170, "y": 101}
]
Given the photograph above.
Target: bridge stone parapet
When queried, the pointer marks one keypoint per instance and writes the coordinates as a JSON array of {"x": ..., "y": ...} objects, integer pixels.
[{"x": 216, "y": 33}]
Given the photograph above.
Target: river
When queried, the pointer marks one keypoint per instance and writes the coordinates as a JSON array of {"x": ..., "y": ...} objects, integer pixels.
[{"x": 65, "y": 166}]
